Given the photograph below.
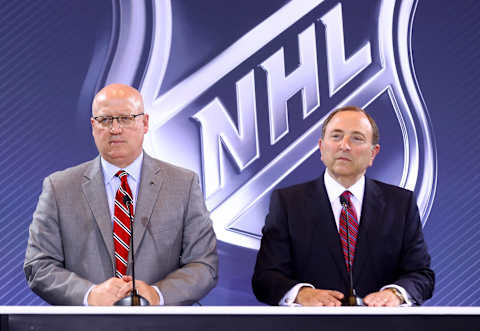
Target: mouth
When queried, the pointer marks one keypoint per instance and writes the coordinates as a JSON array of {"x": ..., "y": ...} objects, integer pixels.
[
  {"x": 343, "y": 158},
  {"x": 116, "y": 142}
]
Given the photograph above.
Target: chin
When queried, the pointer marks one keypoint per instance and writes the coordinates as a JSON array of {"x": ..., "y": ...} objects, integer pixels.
[
  {"x": 116, "y": 159},
  {"x": 342, "y": 171}
]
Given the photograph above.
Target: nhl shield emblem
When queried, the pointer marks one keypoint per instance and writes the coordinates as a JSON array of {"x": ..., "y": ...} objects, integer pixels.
[{"x": 248, "y": 117}]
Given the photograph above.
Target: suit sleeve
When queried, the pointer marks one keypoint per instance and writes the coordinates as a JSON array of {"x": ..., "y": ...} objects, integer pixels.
[
  {"x": 415, "y": 274},
  {"x": 273, "y": 275},
  {"x": 44, "y": 259},
  {"x": 197, "y": 274}
]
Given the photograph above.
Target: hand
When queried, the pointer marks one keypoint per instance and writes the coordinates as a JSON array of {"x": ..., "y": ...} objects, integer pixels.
[
  {"x": 308, "y": 296},
  {"x": 109, "y": 292},
  {"x": 385, "y": 298},
  {"x": 146, "y": 291}
]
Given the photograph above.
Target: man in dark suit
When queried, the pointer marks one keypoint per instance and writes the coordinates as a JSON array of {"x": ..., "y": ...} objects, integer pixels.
[
  {"x": 303, "y": 260},
  {"x": 79, "y": 248}
]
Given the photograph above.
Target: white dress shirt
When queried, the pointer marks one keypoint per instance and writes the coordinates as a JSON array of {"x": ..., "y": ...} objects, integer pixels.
[{"x": 334, "y": 191}]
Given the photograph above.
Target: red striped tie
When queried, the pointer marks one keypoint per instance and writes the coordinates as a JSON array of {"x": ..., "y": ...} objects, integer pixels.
[
  {"x": 121, "y": 225},
  {"x": 351, "y": 218}
]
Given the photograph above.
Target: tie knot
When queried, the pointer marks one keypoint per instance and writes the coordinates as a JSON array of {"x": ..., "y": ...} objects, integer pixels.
[
  {"x": 122, "y": 174},
  {"x": 345, "y": 198},
  {"x": 347, "y": 195}
]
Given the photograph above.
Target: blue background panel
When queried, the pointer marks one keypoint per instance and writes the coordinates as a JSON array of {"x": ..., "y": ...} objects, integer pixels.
[{"x": 55, "y": 55}]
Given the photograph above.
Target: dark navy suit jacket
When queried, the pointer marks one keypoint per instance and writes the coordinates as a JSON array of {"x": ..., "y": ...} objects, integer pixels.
[{"x": 301, "y": 244}]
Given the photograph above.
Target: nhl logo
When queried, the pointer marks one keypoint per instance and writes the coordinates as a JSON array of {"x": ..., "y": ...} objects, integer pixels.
[{"x": 250, "y": 118}]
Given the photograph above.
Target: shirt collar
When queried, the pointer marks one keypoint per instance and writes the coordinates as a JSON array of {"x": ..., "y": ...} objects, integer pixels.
[
  {"x": 133, "y": 169},
  {"x": 335, "y": 189}
]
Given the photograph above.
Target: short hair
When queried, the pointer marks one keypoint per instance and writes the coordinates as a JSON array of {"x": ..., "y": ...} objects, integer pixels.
[{"x": 375, "y": 131}]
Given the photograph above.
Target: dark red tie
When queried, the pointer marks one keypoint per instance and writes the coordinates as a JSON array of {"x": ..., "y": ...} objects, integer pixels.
[
  {"x": 121, "y": 225},
  {"x": 351, "y": 217}
]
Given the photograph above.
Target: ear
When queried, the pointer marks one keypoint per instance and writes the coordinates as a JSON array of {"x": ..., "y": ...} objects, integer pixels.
[
  {"x": 320, "y": 146},
  {"x": 374, "y": 152},
  {"x": 145, "y": 123}
]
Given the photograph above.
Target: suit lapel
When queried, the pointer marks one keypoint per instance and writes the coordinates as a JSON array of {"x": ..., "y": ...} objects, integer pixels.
[
  {"x": 324, "y": 228},
  {"x": 150, "y": 185},
  {"x": 370, "y": 222},
  {"x": 93, "y": 188}
]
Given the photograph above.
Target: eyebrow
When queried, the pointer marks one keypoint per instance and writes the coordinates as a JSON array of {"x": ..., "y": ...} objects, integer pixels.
[
  {"x": 360, "y": 133},
  {"x": 354, "y": 132}
]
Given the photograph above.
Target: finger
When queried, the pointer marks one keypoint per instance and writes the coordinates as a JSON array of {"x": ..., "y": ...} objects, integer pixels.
[
  {"x": 336, "y": 304},
  {"x": 124, "y": 290},
  {"x": 370, "y": 299},
  {"x": 393, "y": 302},
  {"x": 313, "y": 302},
  {"x": 115, "y": 283},
  {"x": 376, "y": 302},
  {"x": 325, "y": 299},
  {"x": 379, "y": 301},
  {"x": 336, "y": 294},
  {"x": 371, "y": 303},
  {"x": 127, "y": 278},
  {"x": 384, "y": 302},
  {"x": 389, "y": 300},
  {"x": 331, "y": 303}
]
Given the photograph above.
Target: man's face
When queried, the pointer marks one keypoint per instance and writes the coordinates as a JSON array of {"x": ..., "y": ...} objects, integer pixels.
[
  {"x": 116, "y": 144},
  {"x": 346, "y": 148}
]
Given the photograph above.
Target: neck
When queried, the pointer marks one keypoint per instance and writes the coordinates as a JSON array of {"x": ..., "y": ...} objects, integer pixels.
[
  {"x": 122, "y": 163},
  {"x": 345, "y": 181}
]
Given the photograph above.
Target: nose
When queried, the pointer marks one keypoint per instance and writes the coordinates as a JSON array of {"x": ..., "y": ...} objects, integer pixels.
[
  {"x": 115, "y": 128},
  {"x": 345, "y": 144}
]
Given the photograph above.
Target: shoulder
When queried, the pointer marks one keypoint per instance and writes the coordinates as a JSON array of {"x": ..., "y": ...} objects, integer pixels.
[
  {"x": 69, "y": 181},
  {"x": 75, "y": 173},
  {"x": 168, "y": 169},
  {"x": 176, "y": 182},
  {"x": 390, "y": 191},
  {"x": 172, "y": 175},
  {"x": 298, "y": 191}
]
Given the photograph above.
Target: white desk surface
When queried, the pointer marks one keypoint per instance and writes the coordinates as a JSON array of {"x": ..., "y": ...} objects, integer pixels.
[{"x": 237, "y": 310}]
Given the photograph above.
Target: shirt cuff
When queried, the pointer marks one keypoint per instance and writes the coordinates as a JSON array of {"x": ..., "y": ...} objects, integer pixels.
[
  {"x": 289, "y": 298},
  {"x": 85, "y": 297},
  {"x": 160, "y": 296},
  {"x": 408, "y": 299}
]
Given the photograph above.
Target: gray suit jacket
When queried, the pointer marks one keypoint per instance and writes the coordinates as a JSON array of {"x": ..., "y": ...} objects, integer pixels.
[{"x": 70, "y": 247}]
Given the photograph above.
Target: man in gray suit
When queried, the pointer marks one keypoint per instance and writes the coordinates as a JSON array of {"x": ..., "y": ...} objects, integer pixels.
[{"x": 72, "y": 258}]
